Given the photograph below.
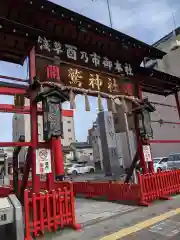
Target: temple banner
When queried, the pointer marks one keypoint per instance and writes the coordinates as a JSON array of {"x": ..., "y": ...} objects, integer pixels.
[
  {"x": 72, "y": 54},
  {"x": 82, "y": 78}
]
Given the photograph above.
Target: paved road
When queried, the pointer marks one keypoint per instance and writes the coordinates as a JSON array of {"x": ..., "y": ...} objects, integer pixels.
[
  {"x": 156, "y": 222},
  {"x": 164, "y": 226}
]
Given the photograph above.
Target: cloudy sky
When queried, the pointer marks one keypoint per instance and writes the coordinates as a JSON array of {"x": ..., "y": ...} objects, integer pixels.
[{"x": 146, "y": 20}]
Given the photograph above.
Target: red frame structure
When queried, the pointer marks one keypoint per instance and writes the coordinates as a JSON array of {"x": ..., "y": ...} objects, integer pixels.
[{"x": 19, "y": 34}]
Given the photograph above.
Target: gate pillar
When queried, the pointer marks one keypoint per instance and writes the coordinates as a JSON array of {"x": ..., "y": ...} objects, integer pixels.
[{"x": 33, "y": 121}]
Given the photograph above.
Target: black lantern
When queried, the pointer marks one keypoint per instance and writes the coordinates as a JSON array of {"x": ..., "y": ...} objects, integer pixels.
[
  {"x": 52, "y": 100},
  {"x": 144, "y": 117}
]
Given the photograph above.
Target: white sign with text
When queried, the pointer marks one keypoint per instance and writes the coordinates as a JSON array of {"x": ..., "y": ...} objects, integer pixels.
[{"x": 43, "y": 161}]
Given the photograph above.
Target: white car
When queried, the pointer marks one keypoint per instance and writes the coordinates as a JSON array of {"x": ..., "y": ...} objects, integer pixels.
[
  {"x": 160, "y": 163},
  {"x": 76, "y": 169}
]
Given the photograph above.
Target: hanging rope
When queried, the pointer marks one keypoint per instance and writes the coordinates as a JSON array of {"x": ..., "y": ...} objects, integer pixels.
[{"x": 89, "y": 92}]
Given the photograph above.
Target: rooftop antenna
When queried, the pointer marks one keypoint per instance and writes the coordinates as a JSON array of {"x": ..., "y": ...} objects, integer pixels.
[
  {"x": 174, "y": 26},
  {"x": 109, "y": 12},
  {"x": 175, "y": 44}
]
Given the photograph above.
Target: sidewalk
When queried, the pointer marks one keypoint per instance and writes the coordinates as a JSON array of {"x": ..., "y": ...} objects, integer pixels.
[
  {"x": 91, "y": 212},
  {"x": 98, "y": 230}
]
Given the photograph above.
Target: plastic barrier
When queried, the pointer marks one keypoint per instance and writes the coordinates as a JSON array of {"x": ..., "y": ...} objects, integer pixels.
[
  {"x": 5, "y": 191},
  {"x": 44, "y": 184},
  {"x": 49, "y": 211},
  {"x": 158, "y": 185},
  {"x": 92, "y": 189},
  {"x": 150, "y": 187},
  {"x": 110, "y": 190},
  {"x": 124, "y": 192}
]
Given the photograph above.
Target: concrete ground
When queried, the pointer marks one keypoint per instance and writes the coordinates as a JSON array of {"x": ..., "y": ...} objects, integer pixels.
[
  {"x": 89, "y": 212},
  {"x": 113, "y": 221}
]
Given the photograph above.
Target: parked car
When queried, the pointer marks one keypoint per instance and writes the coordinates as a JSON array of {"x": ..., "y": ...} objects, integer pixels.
[
  {"x": 174, "y": 161},
  {"x": 160, "y": 163},
  {"x": 76, "y": 169}
]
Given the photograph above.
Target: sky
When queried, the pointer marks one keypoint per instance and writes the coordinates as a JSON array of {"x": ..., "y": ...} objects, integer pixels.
[{"x": 146, "y": 20}]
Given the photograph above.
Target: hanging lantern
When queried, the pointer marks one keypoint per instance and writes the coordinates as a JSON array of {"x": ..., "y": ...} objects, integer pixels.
[
  {"x": 144, "y": 118},
  {"x": 52, "y": 112}
]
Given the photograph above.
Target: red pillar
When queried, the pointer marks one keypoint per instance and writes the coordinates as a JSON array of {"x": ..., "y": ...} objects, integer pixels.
[
  {"x": 57, "y": 156},
  {"x": 139, "y": 140},
  {"x": 50, "y": 176},
  {"x": 148, "y": 167},
  {"x": 34, "y": 127},
  {"x": 177, "y": 103}
]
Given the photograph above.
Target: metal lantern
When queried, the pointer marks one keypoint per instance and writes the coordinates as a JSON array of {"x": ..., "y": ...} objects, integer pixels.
[
  {"x": 145, "y": 124},
  {"x": 144, "y": 117},
  {"x": 52, "y": 100},
  {"x": 52, "y": 117}
]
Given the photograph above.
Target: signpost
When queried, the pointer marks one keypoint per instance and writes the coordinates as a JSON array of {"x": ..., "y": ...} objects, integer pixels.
[
  {"x": 43, "y": 161},
  {"x": 147, "y": 153}
]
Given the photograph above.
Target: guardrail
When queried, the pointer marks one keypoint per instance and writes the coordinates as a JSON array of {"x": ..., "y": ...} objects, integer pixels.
[
  {"x": 150, "y": 187},
  {"x": 49, "y": 211}
]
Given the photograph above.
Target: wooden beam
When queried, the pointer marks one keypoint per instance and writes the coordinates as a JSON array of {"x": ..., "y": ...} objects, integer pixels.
[
  {"x": 11, "y": 90},
  {"x": 8, "y": 108},
  {"x": 15, "y": 144},
  {"x": 13, "y": 78}
]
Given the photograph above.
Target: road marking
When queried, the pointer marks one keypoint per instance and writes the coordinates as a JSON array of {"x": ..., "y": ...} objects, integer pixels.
[{"x": 141, "y": 225}]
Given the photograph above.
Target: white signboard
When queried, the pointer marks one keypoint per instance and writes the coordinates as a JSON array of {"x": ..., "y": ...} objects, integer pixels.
[
  {"x": 43, "y": 161},
  {"x": 147, "y": 153}
]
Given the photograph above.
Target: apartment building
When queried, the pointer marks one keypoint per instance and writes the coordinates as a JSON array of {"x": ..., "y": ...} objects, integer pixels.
[{"x": 21, "y": 126}]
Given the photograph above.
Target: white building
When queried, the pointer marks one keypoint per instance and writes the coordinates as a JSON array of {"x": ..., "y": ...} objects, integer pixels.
[{"x": 21, "y": 126}]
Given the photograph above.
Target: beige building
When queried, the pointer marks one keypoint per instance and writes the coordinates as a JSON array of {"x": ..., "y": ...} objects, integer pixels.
[
  {"x": 165, "y": 120},
  {"x": 21, "y": 126}
]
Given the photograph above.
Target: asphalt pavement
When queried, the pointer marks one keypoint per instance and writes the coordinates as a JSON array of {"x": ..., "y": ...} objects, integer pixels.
[
  {"x": 96, "y": 176},
  {"x": 159, "y": 221}
]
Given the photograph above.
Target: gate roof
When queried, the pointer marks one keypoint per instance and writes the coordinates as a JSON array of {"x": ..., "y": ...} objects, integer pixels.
[{"x": 22, "y": 21}]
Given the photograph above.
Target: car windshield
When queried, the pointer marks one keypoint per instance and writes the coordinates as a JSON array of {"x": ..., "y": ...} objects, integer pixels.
[
  {"x": 77, "y": 165},
  {"x": 156, "y": 160}
]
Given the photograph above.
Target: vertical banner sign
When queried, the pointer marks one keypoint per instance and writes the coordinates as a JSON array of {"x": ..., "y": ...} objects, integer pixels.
[
  {"x": 147, "y": 153},
  {"x": 43, "y": 161}
]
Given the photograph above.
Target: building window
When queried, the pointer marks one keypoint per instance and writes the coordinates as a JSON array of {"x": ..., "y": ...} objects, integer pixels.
[
  {"x": 68, "y": 121},
  {"x": 70, "y": 139},
  {"x": 69, "y": 130}
]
